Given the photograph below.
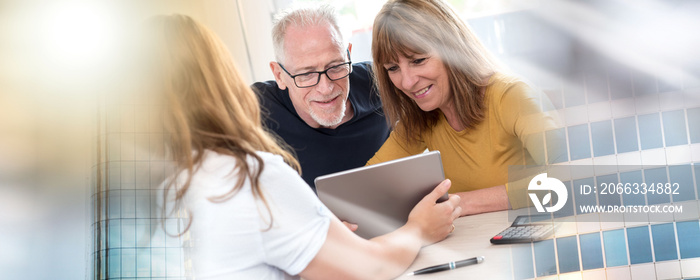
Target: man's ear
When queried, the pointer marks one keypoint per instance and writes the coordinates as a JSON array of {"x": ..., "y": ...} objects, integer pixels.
[
  {"x": 277, "y": 72},
  {"x": 349, "y": 50}
]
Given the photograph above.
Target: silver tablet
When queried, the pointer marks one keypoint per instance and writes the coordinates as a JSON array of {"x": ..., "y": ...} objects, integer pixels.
[{"x": 378, "y": 198}]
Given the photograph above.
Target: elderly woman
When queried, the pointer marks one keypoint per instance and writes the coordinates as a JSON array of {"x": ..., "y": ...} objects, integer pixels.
[
  {"x": 442, "y": 90},
  {"x": 250, "y": 214}
]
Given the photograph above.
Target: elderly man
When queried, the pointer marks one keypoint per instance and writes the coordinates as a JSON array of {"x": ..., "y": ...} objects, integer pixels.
[{"x": 320, "y": 103}]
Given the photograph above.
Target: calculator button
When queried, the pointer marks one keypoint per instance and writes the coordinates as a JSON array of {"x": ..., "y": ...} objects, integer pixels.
[{"x": 497, "y": 237}]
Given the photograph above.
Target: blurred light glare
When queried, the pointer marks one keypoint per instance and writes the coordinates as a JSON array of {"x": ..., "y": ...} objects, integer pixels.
[
  {"x": 654, "y": 38},
  {"x": 77, "y": 33}
]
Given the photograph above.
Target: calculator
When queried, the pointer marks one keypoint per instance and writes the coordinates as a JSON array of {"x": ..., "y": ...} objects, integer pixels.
[{"x": 525, "y": 229}]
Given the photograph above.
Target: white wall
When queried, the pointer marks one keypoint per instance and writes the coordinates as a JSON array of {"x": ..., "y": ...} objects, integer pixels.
[{"x": 244, "y": 26}]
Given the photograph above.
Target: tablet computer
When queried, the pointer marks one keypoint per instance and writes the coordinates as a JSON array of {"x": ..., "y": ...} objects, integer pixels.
[{"x": 378, "y": 198}]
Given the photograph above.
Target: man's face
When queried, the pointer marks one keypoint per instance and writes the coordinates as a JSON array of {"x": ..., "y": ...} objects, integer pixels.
[{"x": 314, "y": 48}]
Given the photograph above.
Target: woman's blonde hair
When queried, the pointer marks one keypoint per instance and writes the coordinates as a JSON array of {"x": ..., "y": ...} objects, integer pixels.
[
  {"x": 208, "y": 106},
  {"x": 409, "y": 27}
]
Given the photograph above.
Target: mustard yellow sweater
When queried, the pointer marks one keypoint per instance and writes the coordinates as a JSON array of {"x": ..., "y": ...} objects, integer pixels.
[{"x": 510, "y": 134}]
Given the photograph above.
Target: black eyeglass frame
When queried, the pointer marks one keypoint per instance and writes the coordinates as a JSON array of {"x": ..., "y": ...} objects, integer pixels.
[{"x": 325, "y": 72}]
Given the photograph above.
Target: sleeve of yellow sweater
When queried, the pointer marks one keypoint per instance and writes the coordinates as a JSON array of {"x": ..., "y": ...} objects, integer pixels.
[
  {"x": 396, "y": 147},
  {"x": 521, "y": 114}
]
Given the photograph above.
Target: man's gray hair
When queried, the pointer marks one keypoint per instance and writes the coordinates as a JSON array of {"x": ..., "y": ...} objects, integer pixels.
[{"x": 302, "y": 16}]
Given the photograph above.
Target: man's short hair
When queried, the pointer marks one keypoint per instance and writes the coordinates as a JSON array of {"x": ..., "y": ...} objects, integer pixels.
[{"x": 302, "y": 16}]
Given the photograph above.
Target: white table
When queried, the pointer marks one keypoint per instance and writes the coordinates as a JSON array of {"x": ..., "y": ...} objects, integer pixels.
[{"x": 470, "y": 239}]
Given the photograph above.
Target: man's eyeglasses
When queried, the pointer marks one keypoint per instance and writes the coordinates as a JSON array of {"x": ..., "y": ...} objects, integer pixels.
[{"x": 312, "y": 78}]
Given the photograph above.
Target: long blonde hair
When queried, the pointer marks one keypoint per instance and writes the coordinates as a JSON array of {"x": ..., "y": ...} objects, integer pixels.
[
  {"x": 208, "y": 106},
  {"x": 408, "y": 27}
]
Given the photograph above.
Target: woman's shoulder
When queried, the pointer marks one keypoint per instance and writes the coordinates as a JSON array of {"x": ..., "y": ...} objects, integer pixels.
[
  {"x": 500, "y": 82},
  {"x": 508, "y": 86},
  {"x": 218, "y": 172},
  {"x": 215, "y": 161}
]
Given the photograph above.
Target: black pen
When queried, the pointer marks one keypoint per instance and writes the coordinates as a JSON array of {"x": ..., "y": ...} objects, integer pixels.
[{"x": 448, "y": 266}]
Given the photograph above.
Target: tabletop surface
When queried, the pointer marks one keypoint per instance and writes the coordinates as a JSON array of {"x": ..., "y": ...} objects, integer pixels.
[{"x": 470, "y": 239}]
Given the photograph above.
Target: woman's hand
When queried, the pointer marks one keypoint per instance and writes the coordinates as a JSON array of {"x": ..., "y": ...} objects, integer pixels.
[
  {"x": 346, "y": 255},
  {"x": 434, "y": 220},
  {"x": 351, "y": 227},
  {"x": 484, "y": 200}
]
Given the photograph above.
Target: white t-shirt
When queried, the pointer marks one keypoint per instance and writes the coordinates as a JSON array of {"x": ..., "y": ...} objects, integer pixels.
[{"x": 230, "y": 240}]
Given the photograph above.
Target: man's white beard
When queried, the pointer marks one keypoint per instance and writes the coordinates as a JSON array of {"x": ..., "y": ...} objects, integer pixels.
[{"x": 329, "y": 122}]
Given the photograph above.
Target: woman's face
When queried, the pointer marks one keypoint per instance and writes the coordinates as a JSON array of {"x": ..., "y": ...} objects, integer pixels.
[{"x": 423, "y": 78}]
